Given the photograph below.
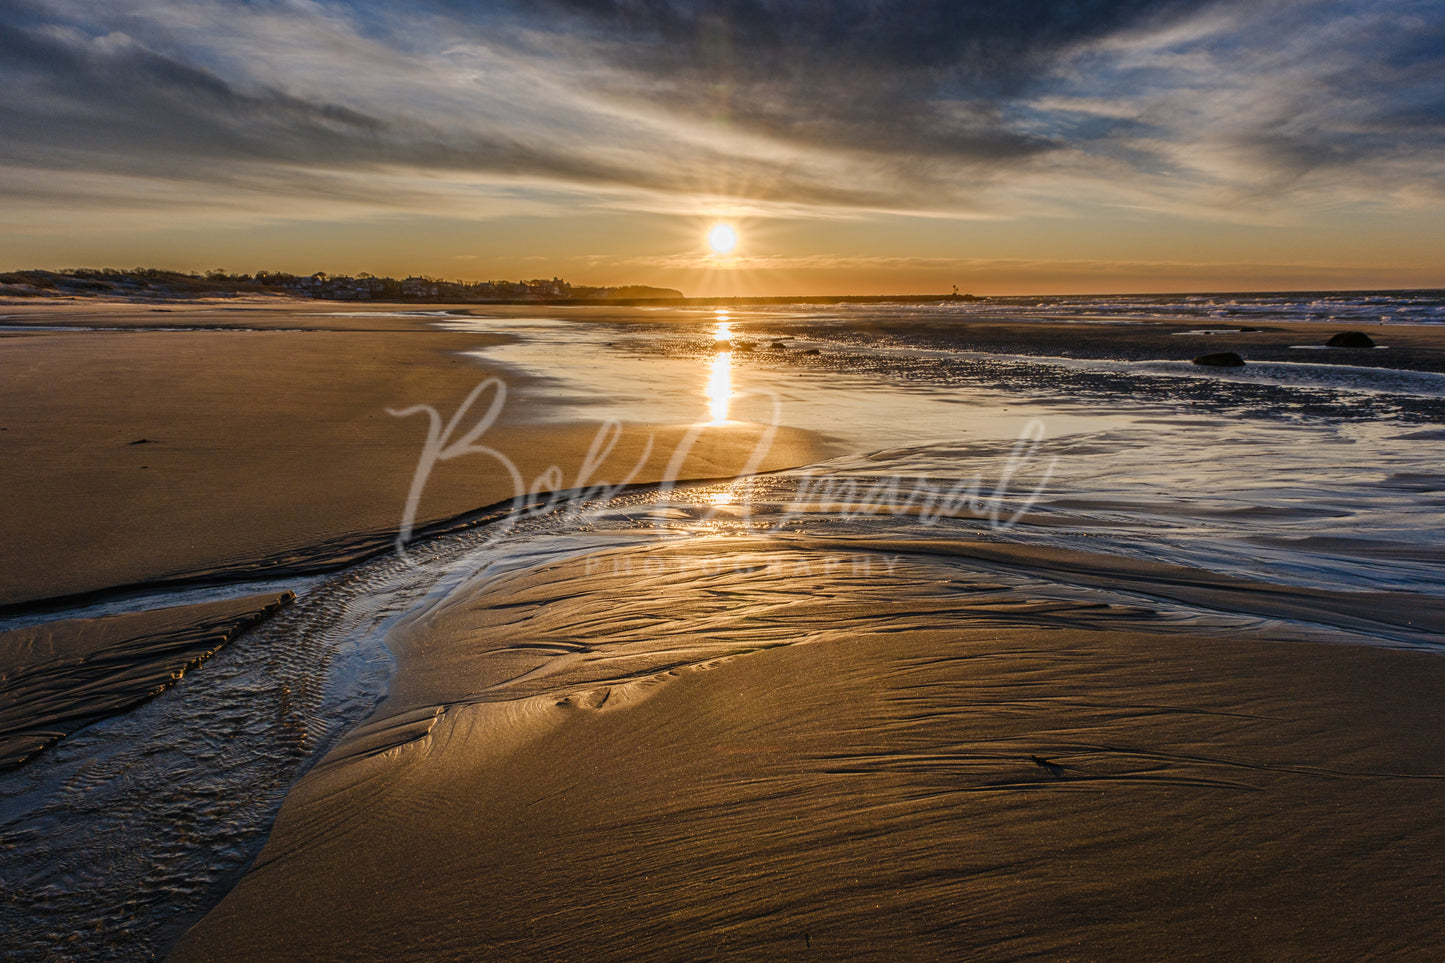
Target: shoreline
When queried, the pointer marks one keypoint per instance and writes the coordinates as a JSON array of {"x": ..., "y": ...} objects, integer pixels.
[
  {"x": 556, "y": 729},
  {"x": 215, "y": 457},
  {"x": 709, "y": 300},
  {"x": 155, "y": 457}
]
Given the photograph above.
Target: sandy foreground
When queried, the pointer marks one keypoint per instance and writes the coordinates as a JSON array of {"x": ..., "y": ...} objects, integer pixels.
[
  {"x": 724, "y": 748},
  {"x": 212, "y": 439},
  {"x": 180, "y": 445},
  {"x": 777, "y": 749}
]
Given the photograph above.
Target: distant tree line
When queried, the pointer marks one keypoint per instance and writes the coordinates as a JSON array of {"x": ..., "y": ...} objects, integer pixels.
[{"x": 156, "y": 283}]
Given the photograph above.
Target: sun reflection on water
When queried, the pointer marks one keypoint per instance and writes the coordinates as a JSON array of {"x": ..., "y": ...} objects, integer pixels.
[
  {"x": 720, "y": 381},
  {"x": 720, "y": 386}
]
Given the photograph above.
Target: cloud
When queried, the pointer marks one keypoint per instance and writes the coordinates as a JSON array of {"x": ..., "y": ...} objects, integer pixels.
[
  {"x": 928, "y": 77},
  {"x": 182, "y": 103},
  {"x": 1324, "y": 101},
  {"x": 1209, "y": 104},
  {"x": 1202, "y": 107}
]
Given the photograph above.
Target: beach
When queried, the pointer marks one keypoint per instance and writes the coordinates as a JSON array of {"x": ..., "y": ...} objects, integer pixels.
[
  {"x": 195, "y": 441},
  {"x": 854, "y": 631},
  {"x": 892, "y": 770}
]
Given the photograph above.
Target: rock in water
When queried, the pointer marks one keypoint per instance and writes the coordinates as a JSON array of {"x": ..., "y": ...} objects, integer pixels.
[
  {"x": 1350, "y": 339},
  {"x": 1220, "y": 359}
]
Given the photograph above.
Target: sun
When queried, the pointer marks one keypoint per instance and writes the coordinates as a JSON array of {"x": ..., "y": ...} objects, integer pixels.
[{"x": 722, "y": 238}]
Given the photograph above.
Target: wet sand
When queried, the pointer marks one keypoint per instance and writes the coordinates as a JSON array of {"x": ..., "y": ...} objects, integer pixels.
[
  {"x": 754, "y": 749},
  {"x": 1409, "y": 347},
  {"x": 257, "y": 439},
  {"x": 203, "y": 443},
  {"x": 60, "y": 676}
]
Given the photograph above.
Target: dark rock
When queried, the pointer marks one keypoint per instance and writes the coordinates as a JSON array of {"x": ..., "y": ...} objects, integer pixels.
[
  {"x": 1220, "y": 359},
  {"x": 1350, "y": 339},
  {"x": 778, "y": 344},
  {"x": 812, "y": 351}
]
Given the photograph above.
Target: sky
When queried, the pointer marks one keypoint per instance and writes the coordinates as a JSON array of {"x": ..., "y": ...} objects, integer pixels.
[{"x": 858, "y": 147}]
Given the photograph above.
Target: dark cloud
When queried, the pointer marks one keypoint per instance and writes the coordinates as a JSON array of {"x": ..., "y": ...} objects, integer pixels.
[
  {"x": 868, "y": 104},
  {"x": 122, "y": 108},
  {"x": 79, "y": 95},
  {"x": 986, "y": 42},
  {"x": 926, "y": 77},
  {"x": 127, "y": 109}
]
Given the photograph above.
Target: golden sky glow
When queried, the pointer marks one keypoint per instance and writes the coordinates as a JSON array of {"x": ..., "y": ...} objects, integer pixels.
[{"x": 855, "y": 148}]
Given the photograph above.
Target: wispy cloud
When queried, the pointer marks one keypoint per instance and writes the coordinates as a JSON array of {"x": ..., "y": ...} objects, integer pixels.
[{"x": 1205, "y": 107}]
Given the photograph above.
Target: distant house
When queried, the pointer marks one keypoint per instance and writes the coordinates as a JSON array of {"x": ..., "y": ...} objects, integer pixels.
[{"x": 415, "y": 287}]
